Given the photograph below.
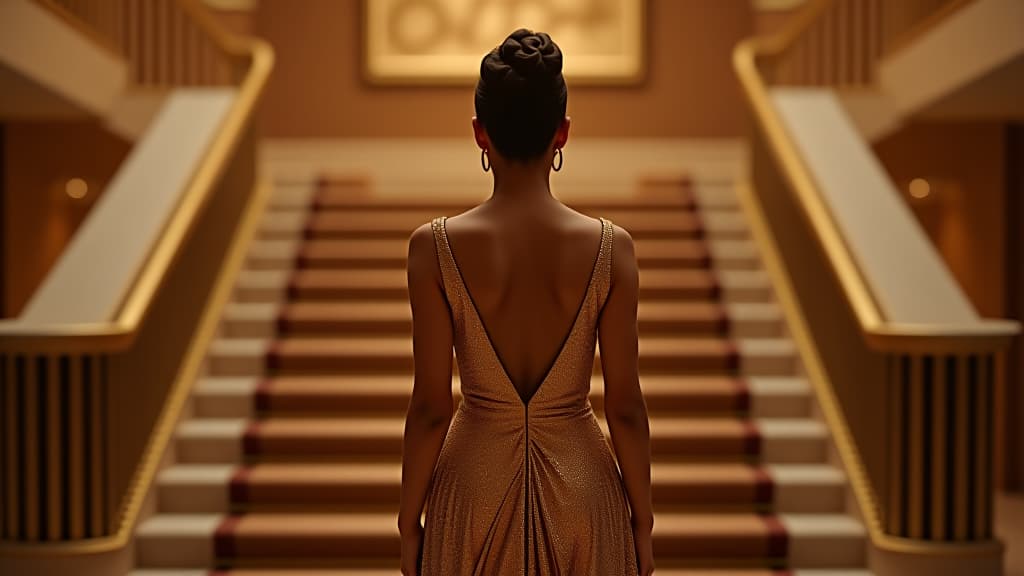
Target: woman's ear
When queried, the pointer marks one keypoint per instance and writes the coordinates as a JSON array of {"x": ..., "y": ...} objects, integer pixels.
[
  {"x": 480, "y": 134},
  {"x": 562, "y": 134}
]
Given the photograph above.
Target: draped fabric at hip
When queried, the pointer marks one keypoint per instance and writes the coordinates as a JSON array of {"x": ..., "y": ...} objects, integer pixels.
[{"x": 526, "y": 487}]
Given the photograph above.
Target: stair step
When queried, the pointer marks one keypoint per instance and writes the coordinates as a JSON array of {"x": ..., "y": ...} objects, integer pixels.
[
  {"x": 198, "y": 488},
  {"x": 710, "y": 196},
  {"x": 348, "y": 395},
  {"x": 369, "y": 317},
  {"x": 394, "y": 572},
  {"x": 399, "y": 222},
  {"x": 331, "y": 197},
  {"x": 196, "y": 541},
  {"x": 315, "y": 440},
  {"x": 359, "y": 253},
  {"x": 734, "y": 286},
  {"x": 393, "y": 354}
]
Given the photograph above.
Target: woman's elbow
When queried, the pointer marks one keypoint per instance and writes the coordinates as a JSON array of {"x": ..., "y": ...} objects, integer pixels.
[
  {"x": 630, "y": 411},
  {"x": 431, "y": 413}
]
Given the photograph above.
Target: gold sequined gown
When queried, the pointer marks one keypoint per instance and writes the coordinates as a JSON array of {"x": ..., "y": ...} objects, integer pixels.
[{"x": 526, "y": 487}]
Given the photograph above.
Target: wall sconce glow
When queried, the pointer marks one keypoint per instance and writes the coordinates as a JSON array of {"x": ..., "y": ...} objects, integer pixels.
[
  {"x": 76, "y": 188},
  {"x": 920, "y": 188}
]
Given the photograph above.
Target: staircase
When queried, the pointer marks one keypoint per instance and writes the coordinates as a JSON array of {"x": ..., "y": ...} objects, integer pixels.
[{"x": 290, "y": 460}]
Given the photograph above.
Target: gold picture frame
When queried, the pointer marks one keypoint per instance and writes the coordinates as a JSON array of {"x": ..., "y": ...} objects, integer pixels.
[{"x": 441, "y": 42}]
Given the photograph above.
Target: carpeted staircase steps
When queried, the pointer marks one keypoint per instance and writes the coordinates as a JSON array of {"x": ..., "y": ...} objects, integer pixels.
[
  {"x": 290, "y": 462},
  {"x": 352, "y": 395},
  {"x": 265, "y": 286},
  {"x": 374, "y": 486}
]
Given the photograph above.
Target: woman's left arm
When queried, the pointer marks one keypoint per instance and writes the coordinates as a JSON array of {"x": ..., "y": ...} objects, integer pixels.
[{"x": 430, "y": 407}]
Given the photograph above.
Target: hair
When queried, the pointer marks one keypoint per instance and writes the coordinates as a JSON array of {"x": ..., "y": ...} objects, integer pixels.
[{"x": 521, "y": 96}]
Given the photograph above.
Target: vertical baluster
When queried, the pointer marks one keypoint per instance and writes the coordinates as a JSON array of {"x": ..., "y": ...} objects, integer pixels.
[
  {"x": 156, "y": 30},
  {"x": 940, "y": 448},
  {"x": 175, "y": 46},
  {"x": 10, "y": 424},
  {"x": 50, "y": 379},
  {"x": 97, "y": 454},
  {"x": 874, "y": 38},
  {"x": 983, "y": 445},
  {"x": 132, "y": 38},
  {"x": 846, "y": 41},
  {"x": 962, "y": 447},
  {"x": 898, "y": 385},
  {"x": 196, "y": 64},
  {"x": 916, "y": 473},
  {"x": 76, "y": 448},
  {"x": 31, "y": 447},
  {"x": 150, "y": 41}
]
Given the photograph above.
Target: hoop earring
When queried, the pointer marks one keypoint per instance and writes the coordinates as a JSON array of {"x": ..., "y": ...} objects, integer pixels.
[
  {"x": 558, "y": 154},
  {"x": 485, "y": 160}
]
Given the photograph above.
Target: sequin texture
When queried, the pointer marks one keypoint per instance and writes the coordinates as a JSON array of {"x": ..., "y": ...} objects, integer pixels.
[{"x": 526, "y": 487}]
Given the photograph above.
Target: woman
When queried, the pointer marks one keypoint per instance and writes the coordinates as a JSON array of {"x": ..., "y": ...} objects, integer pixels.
[{"x": 523, "y": 481}]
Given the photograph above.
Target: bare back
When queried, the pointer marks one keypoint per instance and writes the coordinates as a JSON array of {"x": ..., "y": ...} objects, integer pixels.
[{"x": 527, "y": 279}]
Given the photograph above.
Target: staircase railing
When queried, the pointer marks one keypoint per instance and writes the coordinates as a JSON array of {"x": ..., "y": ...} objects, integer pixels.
[
  {"x": 165, "y": 42},
  {"x": 909, "y": 405},
  {"x": 87, "y": 410}
]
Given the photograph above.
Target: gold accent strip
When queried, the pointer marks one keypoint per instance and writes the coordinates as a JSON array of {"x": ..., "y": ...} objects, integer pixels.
[{"x": 825, "y": 393}]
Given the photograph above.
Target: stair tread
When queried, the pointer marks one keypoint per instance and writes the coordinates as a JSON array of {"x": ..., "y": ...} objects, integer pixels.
[
  {"x": 389, "y": 473},
  {"x": 348, "y": 384},
  {"x": 387, "y": 572},
  {"x": 383, "y": 523},
  {"x": 368, "y": 426}
]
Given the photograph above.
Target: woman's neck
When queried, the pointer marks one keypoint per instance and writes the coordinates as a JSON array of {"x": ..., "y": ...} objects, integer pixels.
[{"x": 521, "y": 182}]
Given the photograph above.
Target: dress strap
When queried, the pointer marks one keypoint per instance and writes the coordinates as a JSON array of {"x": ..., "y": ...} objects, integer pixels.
[
  {"x": 603, "y": 278},
  {"x": 444, "y": 257}
]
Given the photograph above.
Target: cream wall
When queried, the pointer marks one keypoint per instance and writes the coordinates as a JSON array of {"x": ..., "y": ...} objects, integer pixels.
[{"x": 317, "y": 89}]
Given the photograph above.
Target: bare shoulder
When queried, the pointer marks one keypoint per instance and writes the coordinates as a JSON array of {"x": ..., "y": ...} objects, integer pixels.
[
  {"x": 623, "y": 250},
  {"x": 422, "y": 252}
]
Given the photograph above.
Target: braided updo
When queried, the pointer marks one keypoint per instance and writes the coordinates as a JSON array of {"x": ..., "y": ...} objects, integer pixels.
[{"x": 521, "y": 96}]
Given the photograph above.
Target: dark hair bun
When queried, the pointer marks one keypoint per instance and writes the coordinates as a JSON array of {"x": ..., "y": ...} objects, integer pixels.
[
  {"x": 531, "y": 54},
  {"x": 523, "y": 56},
  {"x": 521, "y": 95}
]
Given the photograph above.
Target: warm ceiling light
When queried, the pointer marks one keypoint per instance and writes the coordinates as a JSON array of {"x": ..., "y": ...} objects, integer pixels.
[
  {"x": 76, "y": 188},
  {"x": 920, "y": 188}
]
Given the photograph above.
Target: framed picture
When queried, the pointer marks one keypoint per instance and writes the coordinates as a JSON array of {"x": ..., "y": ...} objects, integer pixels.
[{"x": 433, "y": 42}]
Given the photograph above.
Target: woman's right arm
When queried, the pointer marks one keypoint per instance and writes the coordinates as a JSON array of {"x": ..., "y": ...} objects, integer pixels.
[{"x": 624, "y": 406}]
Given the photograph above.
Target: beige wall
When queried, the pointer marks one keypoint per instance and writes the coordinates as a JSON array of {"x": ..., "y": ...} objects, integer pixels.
[
  {"x": 317, "y": 89},
  {"x": 38, "y": 216}
]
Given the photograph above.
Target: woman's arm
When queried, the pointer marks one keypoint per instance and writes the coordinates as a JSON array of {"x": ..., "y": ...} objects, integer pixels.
[
  {"x": 430, "y": 408},
  {"x": 624, "y": 406}
]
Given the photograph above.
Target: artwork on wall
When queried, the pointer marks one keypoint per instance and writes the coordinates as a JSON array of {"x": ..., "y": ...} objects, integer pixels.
[{"x": 443, "y": 41}]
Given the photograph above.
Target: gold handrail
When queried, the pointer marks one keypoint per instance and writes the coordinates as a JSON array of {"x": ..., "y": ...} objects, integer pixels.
[
  {"x": 100, "y": 339},
  {"x": 118, "y": 334},
  {"x": 881, "y": 335}
]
